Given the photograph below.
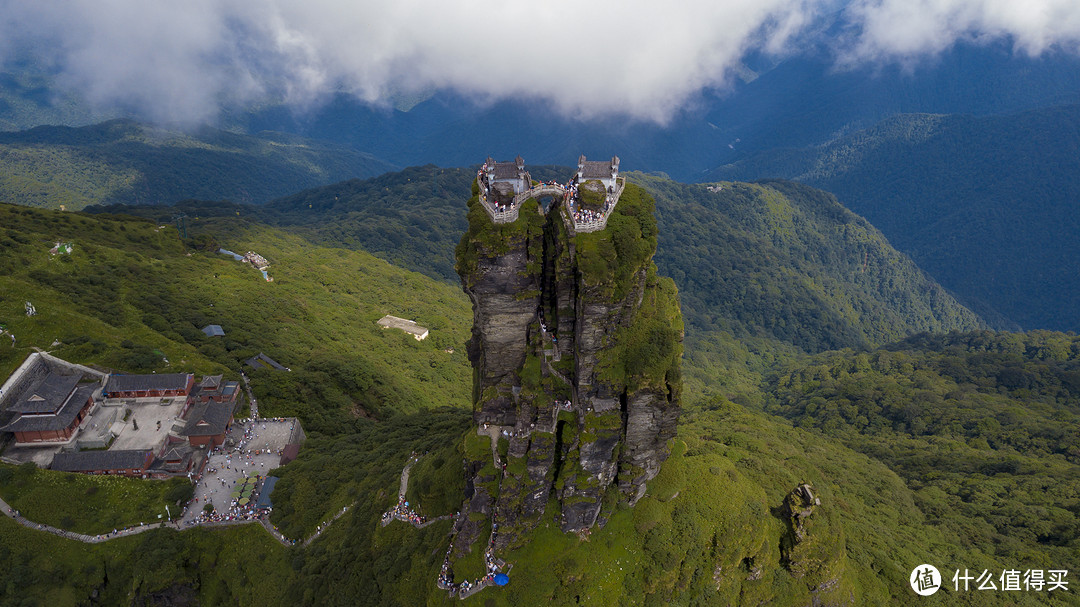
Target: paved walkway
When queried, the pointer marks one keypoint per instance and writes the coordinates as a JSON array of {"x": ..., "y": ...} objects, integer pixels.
[
  {"x": 403, "y": 486},
  {"x": 402, "y": 512},
  {"x": 223, "y": 471},
  {"x": 80, "y": 537},
  {"x": 176, "y": 524},
  {"x": 251, "y": 397}
]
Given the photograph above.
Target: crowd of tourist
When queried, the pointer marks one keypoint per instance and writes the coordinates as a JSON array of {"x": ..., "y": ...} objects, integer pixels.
[
  {"x": 233, "y": 515},
  {"x": 492, "y": 566},
  {"x": 403, "y": 513},
  {"x": 581, "y": 216}
]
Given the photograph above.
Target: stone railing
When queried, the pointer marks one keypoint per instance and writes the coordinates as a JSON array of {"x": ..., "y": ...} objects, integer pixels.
[
  {"x": 507, "y": 215},
  {"x": 595, "y": 225}
]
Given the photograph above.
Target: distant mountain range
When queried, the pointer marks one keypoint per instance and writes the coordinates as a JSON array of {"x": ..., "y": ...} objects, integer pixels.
[
  {"x": 974, "y": 181},
  {"x": 801, "y": 100},
  {"x": 986, "y": 204},
  {"x": 121, "y": 161}
]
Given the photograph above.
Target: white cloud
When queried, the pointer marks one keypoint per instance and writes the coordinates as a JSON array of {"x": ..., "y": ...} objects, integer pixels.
[
  {"x": 185, "y": 60},
  {"x": 893, "y": 29}
]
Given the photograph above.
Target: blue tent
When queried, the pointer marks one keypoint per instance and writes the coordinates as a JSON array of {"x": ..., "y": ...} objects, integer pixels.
[
  {"x": 267, "y": 489},
  {"x": 501, "y": 579}
]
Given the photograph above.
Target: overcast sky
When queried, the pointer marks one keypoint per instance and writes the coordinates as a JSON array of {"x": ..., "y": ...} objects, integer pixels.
[{"x": 184, "y": 60}]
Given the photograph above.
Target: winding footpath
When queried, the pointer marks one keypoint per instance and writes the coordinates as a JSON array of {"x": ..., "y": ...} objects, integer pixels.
[
  {"x": 401, "y": 512},
  {"x": 97, "y": 539},
  {"x": 79, "y": 537},
  {"x": 251, "y": 397}
]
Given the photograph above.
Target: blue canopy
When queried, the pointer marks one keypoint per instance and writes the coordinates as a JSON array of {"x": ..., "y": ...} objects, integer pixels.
[
  {"x": 267, "y": 489},
  {"x": 501, "y": 579}
]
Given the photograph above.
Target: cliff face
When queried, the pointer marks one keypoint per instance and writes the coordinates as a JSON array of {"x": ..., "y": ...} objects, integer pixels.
[{"x": 576, "y": 348}]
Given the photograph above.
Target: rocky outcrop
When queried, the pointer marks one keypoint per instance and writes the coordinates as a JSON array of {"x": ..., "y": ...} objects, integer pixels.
[
  {"x": 576, "y": 348},
  {"x": 502, "y": 312},
  {"x": 813, "y": 548}
]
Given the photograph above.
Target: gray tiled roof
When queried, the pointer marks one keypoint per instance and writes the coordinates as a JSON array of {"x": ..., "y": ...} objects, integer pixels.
[
  {"x": 261, "y": 361},
  {"x": 505, "y": 170},
  {"x": 216, "y": 416},
  {"x": 47, "y": 394},
  {"x": 213, "y": 330},
  {"x": 83, "y": 461},
  {"x": 139, "y": 383},
  {"x": 596, "y": 169},
  {"x": 62, "y": 419}
]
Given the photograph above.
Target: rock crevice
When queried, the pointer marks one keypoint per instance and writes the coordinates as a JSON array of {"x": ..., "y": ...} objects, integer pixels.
[{"x": 576, "y": 347}]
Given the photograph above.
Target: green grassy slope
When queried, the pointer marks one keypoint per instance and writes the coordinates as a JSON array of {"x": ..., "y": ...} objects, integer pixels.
[
  {"x": 774, "y": 260},
  {"x": 764, "y": 271},
  {"x": 153, "y": 568},
  {"x": 130, "y": 288},
  {"x": 786, "y": 261},
  {"x": 125, "y": 162}
]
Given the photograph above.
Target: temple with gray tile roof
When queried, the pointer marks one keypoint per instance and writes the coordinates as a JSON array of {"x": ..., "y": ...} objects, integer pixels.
[
  {"x": 149, "y": 385},
  {"x": 127, "y": 462},
  {"x": 504, "y": 186},
  {"x": 262, "y": 361},
  {"x": 208, "y": 422},
  {"x": 604, "y": 171},
  {"x": 50, "y": 408},
  {"x": 510, "y": 173}
]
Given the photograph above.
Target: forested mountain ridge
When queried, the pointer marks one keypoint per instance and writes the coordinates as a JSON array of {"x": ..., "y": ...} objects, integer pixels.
[
  {"x": 121, "y": 161},
  {"x": 984, "y": 204},
  {"x": 787, "y": 261},
  {"x": 1002, "y": 409},
  {"x": 766, "y": 267},
  {"x": 763, "y": 269},
  {"x": 777, "y": 102}
]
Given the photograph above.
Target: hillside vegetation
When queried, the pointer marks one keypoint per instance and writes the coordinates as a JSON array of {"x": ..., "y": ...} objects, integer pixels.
[
  {"x": 712, "y": 526},
  {"x": 412, "y": 218},
  {"x": 774, "y": 260},
  {"x": 984, "y": 204},
  {"x": 983, "y": 427},
  {"x": 763, "y": 270},
  {"x": 126, "y": 162},
  {"x": 132, "y": 295}
]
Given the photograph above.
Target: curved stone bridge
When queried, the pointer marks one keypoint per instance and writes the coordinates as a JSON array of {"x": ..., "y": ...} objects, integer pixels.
[
  {"x": 544, "y": 189},
  {"x": 509, "y": 214}
]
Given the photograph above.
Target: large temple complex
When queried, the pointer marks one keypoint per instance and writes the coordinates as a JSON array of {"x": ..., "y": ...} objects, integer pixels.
[{"x": 75, "y": 418}]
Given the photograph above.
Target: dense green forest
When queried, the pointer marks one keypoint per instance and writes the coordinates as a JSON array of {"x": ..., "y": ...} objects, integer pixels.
[
  {"x": 412, "y": 218},
  {"x": 126, "y": 162},
  {"x": 983, "y": 427},
  {"x": 713, "y": 525},
  {"x": 763, "y": 270},
  {"x": 775, "y": 259},
  {"x": 984, "y": 204}
]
